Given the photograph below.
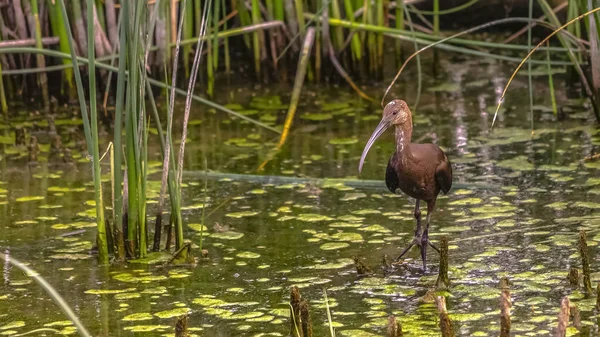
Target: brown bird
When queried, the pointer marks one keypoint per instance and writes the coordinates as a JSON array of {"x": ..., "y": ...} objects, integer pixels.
[{"x": 419, "y": 170}]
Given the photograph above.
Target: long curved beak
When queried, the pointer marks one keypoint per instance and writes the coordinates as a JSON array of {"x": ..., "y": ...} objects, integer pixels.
[{"x": 379, "y": 130}]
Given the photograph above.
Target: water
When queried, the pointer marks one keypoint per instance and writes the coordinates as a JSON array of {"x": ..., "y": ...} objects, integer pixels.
[{"x": 515, "y": 210}]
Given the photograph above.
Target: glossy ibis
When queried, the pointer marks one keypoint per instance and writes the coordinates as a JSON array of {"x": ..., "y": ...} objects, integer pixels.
[{"x": 419, "y": 170}]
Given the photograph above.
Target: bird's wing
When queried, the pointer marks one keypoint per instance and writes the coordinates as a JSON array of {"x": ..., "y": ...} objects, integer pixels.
[{"x": 443, "y": 173}]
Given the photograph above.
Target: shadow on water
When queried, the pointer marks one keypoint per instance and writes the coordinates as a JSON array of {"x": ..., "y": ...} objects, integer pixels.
[{"x": 520, "y": 201}]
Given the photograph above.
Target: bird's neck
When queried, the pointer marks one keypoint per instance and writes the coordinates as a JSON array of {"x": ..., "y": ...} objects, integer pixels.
[{"x": 403, "y": 138}]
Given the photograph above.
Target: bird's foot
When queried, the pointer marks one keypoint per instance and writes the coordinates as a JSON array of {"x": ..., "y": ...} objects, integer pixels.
[{"x": 422, "y": 242}]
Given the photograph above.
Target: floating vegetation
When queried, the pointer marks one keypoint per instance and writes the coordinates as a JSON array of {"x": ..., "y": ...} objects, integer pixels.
[{"x": 173, "y": 313}]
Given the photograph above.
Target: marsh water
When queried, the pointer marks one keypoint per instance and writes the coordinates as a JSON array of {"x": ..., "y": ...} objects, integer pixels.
[{"x": 518, "y": 202}]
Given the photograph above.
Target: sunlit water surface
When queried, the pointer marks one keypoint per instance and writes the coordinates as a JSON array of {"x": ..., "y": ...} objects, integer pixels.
[{"x": 518, "y": 202}]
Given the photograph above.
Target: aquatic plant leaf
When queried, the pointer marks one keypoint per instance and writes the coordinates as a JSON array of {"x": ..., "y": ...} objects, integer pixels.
[
  {"x": 108, "y": 291},
  {"x": 30, "y": 198},
  {"x": 229, "y": 235},
  {"x": 241, "y": 214},
  {"x": 147, "y": 328},
  {"x": 154, "y": 258},
  {"x": 343, "y": 141},
  {"x": 248, "y": 255},
  {"x": 334, "y": 245},
  {"x": 198, "y": 227},
  {"x": 445, "y": 87},
  {"x": 173, "y": 313},
  {"x": 142, "y": 316},
  {"x": 70, "y": 256},
  {"x": 310, "y": 217},
  {"x": 316, "y": 116},
  {"x": 13, "y": 325}
]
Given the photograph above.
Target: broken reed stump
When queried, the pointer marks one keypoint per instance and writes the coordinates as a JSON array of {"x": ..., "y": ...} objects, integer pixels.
[
  {"x": 563, "y": 318},
  {"x": 181, "y": 326},
  {"x": 576, "y": 316},
  {"x": 361, "y": 268},
  {"x": 394, "y": 328},
  {"x": 445, "y": 323},
  {"x": 33, "y": 149},
  {"x": 385, "y": 262},
  {"x": 598, "y": 296},
  {"x": 443, "y": 282},
  {"x": 295, "y": 329},
  {"x": 305, "y": 319},
  {"x": 505, "y": 304},
  {"x": 300, "y": 324},
  {"x": 573, "y": 277},
  {"x": 585, "y": 262}
]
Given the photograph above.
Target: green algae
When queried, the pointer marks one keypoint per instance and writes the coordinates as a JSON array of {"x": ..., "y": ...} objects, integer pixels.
[
  {"x": 129, "y": 278},
  {"x": 173, "y": 313},
  {"x": 147, "y": 328},
  {"x": 346, "y": 236},
  {"x": 127, "y": 296},
  {"x": 243, "y": 214},
  {"x": 375, "y": 228},
  {"x": 466, "y": 202},
  {"x": 518, "y": 163},
  {"x": 13, "y": 325},
  {"x": 353, "y": 196},
  {"x": 198, "y": 227},
  {"x": 586, "y": 204},
  {"x": 559, "y": 205},
  {"x": 248, "y": 255},
  {"x": 154, "y": 258},
  {"x": 30, "y": 198},
  {"x": 317, "y": 116},
  {"x": 143, "y": 316},
  {"x": 343, "y": 141},
  {"x": 70, "y": 256},
  {"x": 357, "y": 333},
  {"x": 229, "y": 235},
  {"x": 310, "y": 217}
]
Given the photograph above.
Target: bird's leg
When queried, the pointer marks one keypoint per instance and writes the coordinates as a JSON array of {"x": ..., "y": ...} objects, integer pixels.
[
  {"x": 417, "y": 239},
  {"x": 425, "y": 237}
]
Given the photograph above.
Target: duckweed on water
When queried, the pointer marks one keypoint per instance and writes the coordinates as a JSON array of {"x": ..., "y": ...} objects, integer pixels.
[
  {"x": 143, "y": 316},
  {"x": 309, "y": 217},
  {"x": 13, "y": 325},
  {"x": 229, "y": 235},
  {"x": 343, "y": 141},
  {"x": 248, "y": 255},
  {"x": 173, "y": 313},
  {"x": 241, "y": 214}
]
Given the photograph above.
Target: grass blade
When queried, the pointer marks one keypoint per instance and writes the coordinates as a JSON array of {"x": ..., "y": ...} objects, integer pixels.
[
  {"x": 298, "y": 82},
  {"x": 533, "y": 50},
  {"x": 62, "y": 304}
]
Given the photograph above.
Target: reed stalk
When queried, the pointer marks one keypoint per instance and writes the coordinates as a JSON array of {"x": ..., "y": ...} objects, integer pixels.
[
  {"x": 256, "y": 40},
  {"x": 102, "y": 240},
  {"x": 3, "y": 104},
  {"x": 529, "y": 77},
  {"x": 188, "y": 33},
  {"x": 58, "y": 29},
  {"x": 41, "y": 62},
  {"x": 355, "y": 42},
  {"x": 551, "y": 84},
  {"x": 298, "y": 82}
]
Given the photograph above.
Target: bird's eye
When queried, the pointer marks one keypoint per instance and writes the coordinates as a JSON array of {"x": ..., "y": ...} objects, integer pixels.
[{"x": 395, "y": 112}]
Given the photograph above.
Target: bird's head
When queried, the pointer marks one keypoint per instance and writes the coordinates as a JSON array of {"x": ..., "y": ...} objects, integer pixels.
[{"x": 396, "y": 113}]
